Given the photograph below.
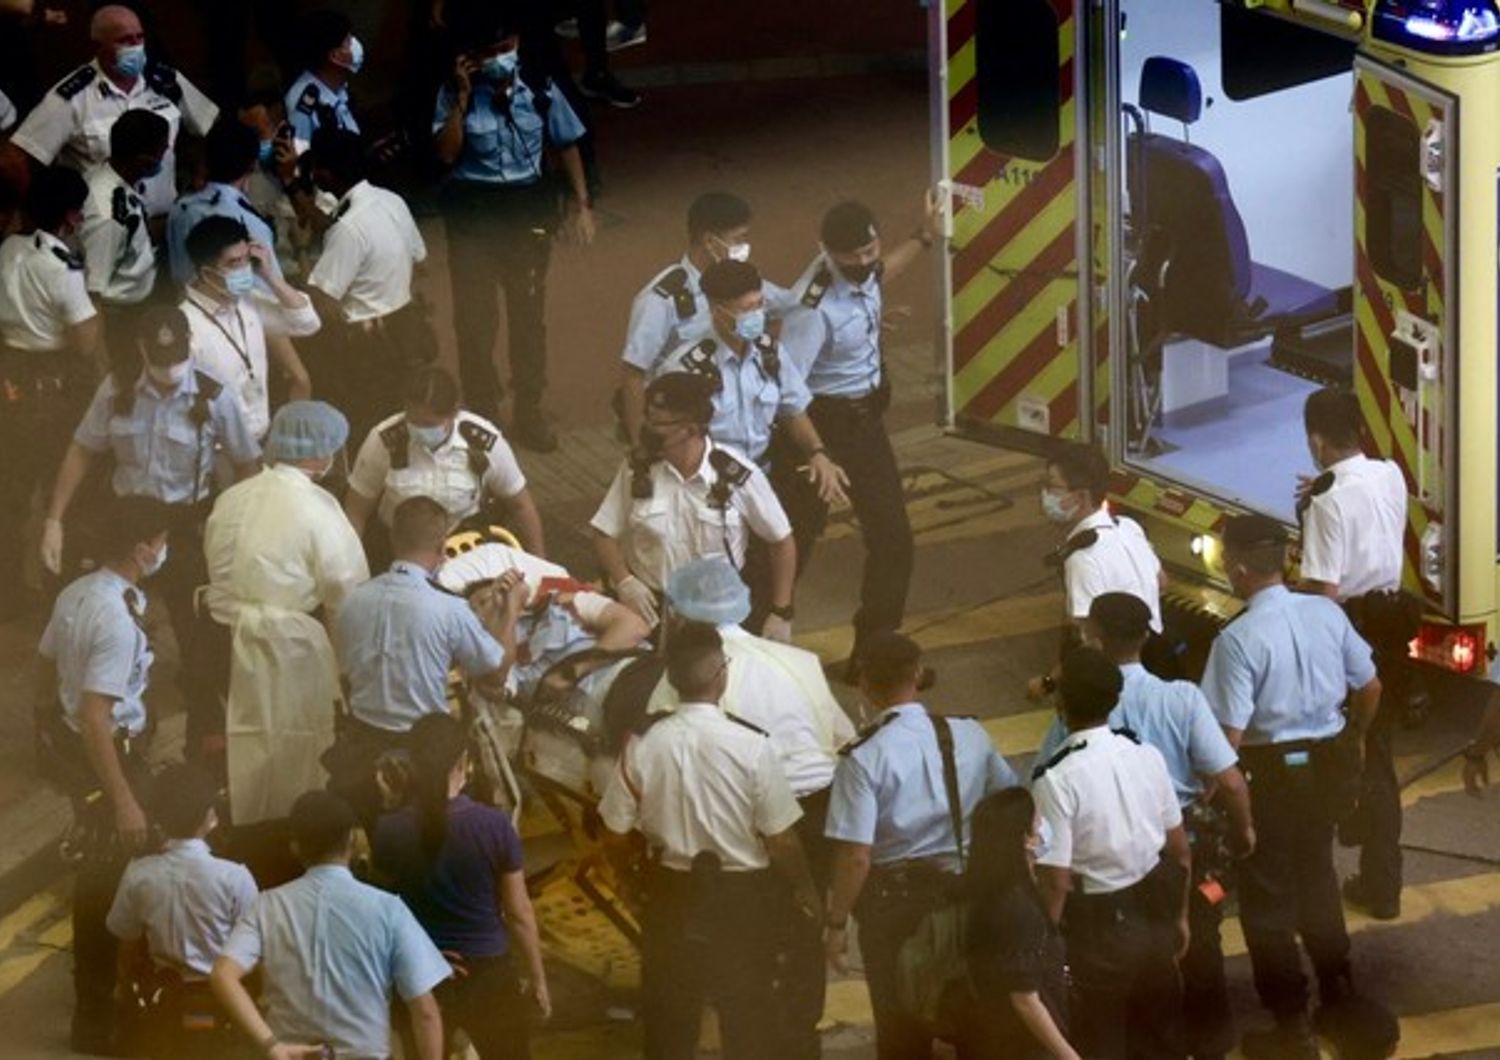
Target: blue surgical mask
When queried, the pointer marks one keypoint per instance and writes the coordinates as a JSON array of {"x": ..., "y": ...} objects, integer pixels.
[
  {"x": 239, "y": 281},
  {"x": 356, "y": 55},
  {"x": 130, "y": 60},
  {"x": 157, "y": 561},
  {"x": 1055, "y": 508},
  {"x": 267, "y": 153},
  {"x": 502, "y": 67},
  {"x": 431, "y": 437},
  {"x": 154, "y": 171},
  {"x": 750, "y": 326}
]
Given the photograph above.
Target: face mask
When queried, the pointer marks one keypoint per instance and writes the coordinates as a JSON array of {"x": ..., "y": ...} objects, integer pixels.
[
  {"x": 356, "y": 56},
  {"x": 750, "y": 326},
  {"x": 431, "y": 437},
  {"x": 171, "y": 376},
  {"x": 155, "y": 563},
  {"x": 501, "y": 67},
  {"x": 239, "y": 281},
  {"x": 130, "y": 60},
  {"x": 267, "y": 153},
  {"x": 1055, "y": 508},
  {"x": 858, "y": 274},
  {"x": 733, "y": 251},
  {"x": 154, "y": 170}
]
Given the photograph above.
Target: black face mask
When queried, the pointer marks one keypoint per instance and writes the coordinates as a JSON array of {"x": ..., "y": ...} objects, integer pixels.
[{"x": 858, "y": 274}]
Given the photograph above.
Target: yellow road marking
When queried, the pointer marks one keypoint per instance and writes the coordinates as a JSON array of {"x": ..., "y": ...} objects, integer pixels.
[
  {"x": 28, "y": 915},
  {"x": 955, "y": 627},
  {"x": 1454, "y": 1030},
  {"x": 16, "y": 970}
]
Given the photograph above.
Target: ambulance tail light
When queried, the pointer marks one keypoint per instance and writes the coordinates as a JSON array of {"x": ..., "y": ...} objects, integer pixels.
[{"x": 1456, "y": 648}]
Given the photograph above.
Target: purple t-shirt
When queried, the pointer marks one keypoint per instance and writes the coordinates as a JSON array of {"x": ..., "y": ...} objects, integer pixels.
[{"x": 456, "y": 895}]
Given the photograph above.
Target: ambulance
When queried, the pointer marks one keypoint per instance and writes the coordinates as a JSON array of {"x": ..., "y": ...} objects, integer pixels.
[{"x": 1172, "y": 220}]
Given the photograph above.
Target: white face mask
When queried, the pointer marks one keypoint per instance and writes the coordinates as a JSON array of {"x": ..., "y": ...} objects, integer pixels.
[
  {"x": 155, "y": 563},
  {"x": 169, "y": 377},
  {"x": 1056, "y": 509}
]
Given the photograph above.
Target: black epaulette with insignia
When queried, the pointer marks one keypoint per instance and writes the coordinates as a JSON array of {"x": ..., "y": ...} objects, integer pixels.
[
  {"x": 262, "y": 218},
  {"x": 674, "y": 285},
  {"x": 124, "y": 216},
  {"x": 307, "y": 103},
  {"x": 730, "y": 468},
  {"x": 480, "y": 440},
  {"x": 77, "y": 81},
  {"x": 1077, "y": 543},
  {"x": 162, "y": 79},
  {"x": 770, "y": 357},
  {"x": 209, "y": 389},
  {"x": 747, "y": 724},
  {"x": 700, "y": 361},
  {"x": 68, "y": 258},
  {"x": 1320, "y": 485},
  {"x": 1127, "y": 732},
  {"x": 339, "y": 213},
  {"x": 1036, "y": 774},
  {"x": 867, "y": 733},
  {"x": 813, "y": 296},
  {"x": 395, "y": 439}
]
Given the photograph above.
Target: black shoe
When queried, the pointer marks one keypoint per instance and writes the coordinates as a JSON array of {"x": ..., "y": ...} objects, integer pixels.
[
  {"x": 1359, "y": 1028},
  {"x": 530, "y": 430},
  {"x": 92, "y": 1041},
  {"x": 610, "y": 89},
  {"x": 1354, "y": 894},
  {"x": 1288, "y": 1040}
]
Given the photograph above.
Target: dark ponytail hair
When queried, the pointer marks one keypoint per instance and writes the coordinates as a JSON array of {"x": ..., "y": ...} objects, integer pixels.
[
  {"x": 438, "y": 741},
  {"x": 997, "y": 845}
]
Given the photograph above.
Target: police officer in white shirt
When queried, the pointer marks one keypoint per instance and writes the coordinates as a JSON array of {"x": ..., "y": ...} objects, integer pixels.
[
  {"x": 707, "y": 793},
  {"x": 178, "y": 906},
  {"x": 71, "y": 124},
  {"x": 1353, "y": 519},
  {"x": 1115, "y": 870},
  {"x": 363, "y": 280},
  {"x": 234, "y": 334},
  {"x": 437, "y": 449},
  {"x": 693, "y": 498}
]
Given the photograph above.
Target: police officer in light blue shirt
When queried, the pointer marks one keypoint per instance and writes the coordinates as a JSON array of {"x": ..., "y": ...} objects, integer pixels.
[
  {"x": 1277, "y": 680},
  {"x": 496, "y": 123},
  {"x": 335, "y": 952},
  {"x": 231, "y": 153},
  {"x": 892, "y": 826},
  {"x": 320, "y": 95}
]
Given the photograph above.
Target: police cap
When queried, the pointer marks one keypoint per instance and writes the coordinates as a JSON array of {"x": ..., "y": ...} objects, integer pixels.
[
  {"x": 1121, "y": 616},
  {"x": 727, "y": 280},
  {"x": 848, "y": 227},
  {"x": 1245, "y": 532}
]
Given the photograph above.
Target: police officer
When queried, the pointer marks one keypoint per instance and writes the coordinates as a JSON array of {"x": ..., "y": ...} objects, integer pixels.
[
  {"x": 437, "y": 449},
  {"x": 398, "y": 636},
  {"x": 1174, "y": 718},
  {"x": 178, "y": 906},
  {"x": 1100, "y": 552},
  {"x": 49, "y": 348},
  {"x": 688, "y": 499},
  {"x": 1277, "y": 678},
  {"x": 891, "y": 823},
  {"x": 718, "y": 831},
  {"x": 71, "y": 124},
  {"x": 231, "y": 153},
  {"x": 1114, "y": 869},
  {"x": 95, "y": 660},
  {"x": 671, "y": 310},
  {"x": 374, "y": 331},
  {"x": 319, "y": 97},
  {"x": 163, "y": 421},
  {"x": 1353, "y": 519},
  {"x": 119, "y": 259},
  {"x": 834, "y": 336}
]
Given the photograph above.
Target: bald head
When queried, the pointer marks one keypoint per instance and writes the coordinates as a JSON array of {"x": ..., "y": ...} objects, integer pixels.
[{"x": 113, "y": 27}]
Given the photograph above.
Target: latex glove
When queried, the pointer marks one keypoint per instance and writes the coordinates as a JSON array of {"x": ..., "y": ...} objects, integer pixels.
[
  {"x": 52, "y": 545},
  {"x": 778, "y": 629},
  {"x": 637, "y": 596}
]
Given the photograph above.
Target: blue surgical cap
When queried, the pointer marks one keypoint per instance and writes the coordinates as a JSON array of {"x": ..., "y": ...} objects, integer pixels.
[
  {"x": 306, "y": 430},
  {"x": 708, "y": 590}
]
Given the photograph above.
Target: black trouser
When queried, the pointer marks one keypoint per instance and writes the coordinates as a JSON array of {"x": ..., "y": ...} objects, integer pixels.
[
  {"x": 1127, "y": 995},
  {"x": 1288, "y": 886},
  {"x": 891, "y": 905},
  {"x": 705, "y": 939},
  {"x": 1379, "y": 811},
  {"x": 853, "y": 432},
  {"x": 592, "y": 24},
  {"x": 351, "y": 765},
  {"x": 1208, "y": 1023},
  {"x": 801, "y": 978},
  {"x": 500, "y": 235},
  {"x": 178, "y": 582},
  {"x": 486, "y": 1004},
  {"x": 363, "y": 367}
]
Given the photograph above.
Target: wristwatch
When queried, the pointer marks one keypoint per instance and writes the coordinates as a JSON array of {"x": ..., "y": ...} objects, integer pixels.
[{"x": 786, "y": 613}]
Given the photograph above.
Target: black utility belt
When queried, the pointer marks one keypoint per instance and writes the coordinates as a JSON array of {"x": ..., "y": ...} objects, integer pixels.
[
  {"x": 871, "y": 404},
  {"x": 1291, "y": 754}
]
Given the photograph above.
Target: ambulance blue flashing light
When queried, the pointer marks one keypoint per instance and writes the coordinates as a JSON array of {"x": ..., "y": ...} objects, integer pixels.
[{"x": 1440, "y": 27}]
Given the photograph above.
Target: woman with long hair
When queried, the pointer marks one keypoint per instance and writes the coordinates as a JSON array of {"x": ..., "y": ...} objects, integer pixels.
[
  {"x": 1015, "y": 953},
  {"x": 457, "y": 864}
]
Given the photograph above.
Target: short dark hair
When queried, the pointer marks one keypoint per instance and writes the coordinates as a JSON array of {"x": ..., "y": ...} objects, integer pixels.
[
  {"x": 133, "y": 520},
  {"x": 55, "y": 192},
  {"x": 322, "y": 32},
  {"x": 212, "y": 236},
  {"x": 715, "y": 212},
  {"x": 341, "y": 153},
  {"x": 418, "y": 523},
  {"x": 432, "y": 388},
  {"x": 848, "y": 227},
  {"x": 1257, "y": 542},
  {"x": 181, "y": 798},
  {"x": 1123, "y": 619},
  {"x": 1089, "y": 684},
  {"x": 690, "y": 651},
  {"x": 1083, "y": 467},
  {"x": 321, "y": 825},
  {"x": 1333, "y": 415},
  {"x": 230, "y": 150},
  {"x": 479, "y": 23},
  {"x": 685, "y": 394},
  {"x": 161, "y": 328},
  {"x": 891, "y": 661},
  {"x": 727, "y": 280},
  {"x": 138, "y": 132}
]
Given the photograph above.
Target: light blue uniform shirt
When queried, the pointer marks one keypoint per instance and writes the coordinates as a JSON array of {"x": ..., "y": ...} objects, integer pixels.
[
  {"x": 1171, "y": 716},
  {"x": 749, "y": 399},
  {"x": 398, "y": 635},
  {"x": 545, "y": 637},
  {"x": 98, "y": 642},
  {"x": 506, "y": 146},
  {"x": 213, "y": 200},
  {"x": 308, "y": 100},
  {"x": 837, "y": 343},
  {"x": 1282, "y": 670},
  {"x": 157, "y": 446},
  {"x": 888, "y": 790},
  {"x": 334, "y": 951}
]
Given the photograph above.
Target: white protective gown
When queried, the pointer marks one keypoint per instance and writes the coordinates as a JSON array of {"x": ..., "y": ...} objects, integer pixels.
[{"x": 279, "y": 548}]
